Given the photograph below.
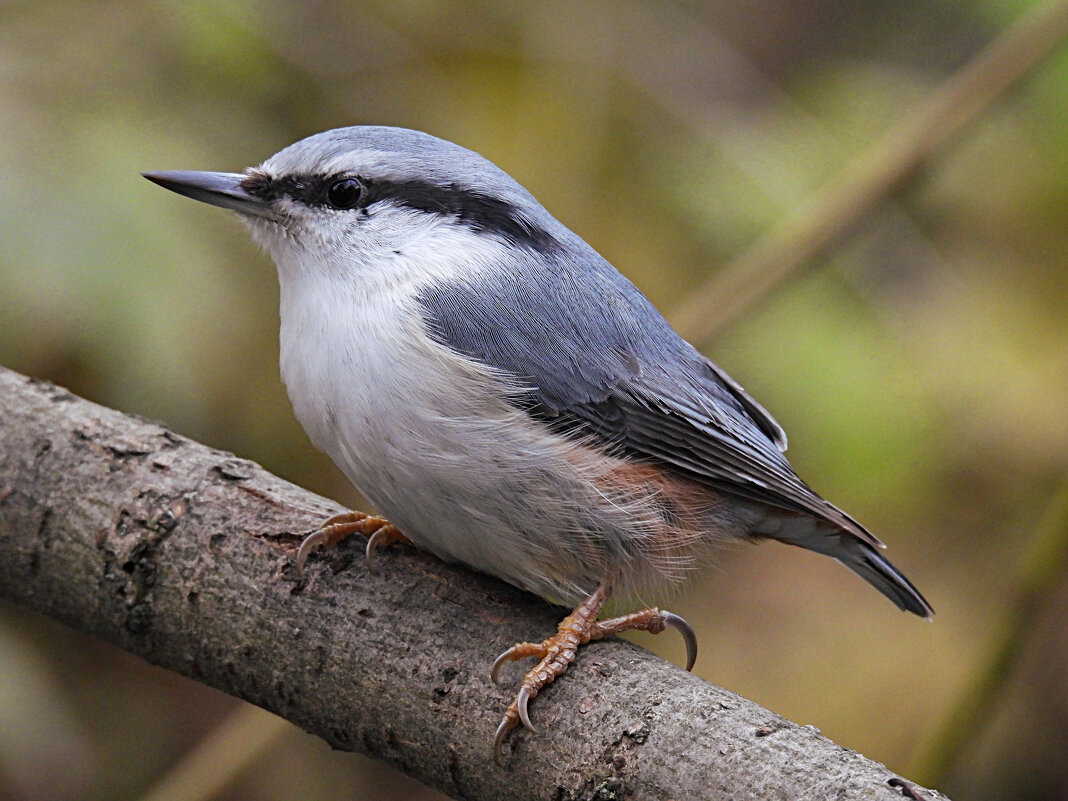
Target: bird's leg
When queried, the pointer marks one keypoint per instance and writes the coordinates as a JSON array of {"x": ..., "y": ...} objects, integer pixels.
[
  {"x": 378, "y": 531},
  {"x": 560, "y": 650}
]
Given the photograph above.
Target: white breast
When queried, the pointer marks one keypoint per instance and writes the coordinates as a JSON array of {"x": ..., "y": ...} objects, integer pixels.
[
  {"x": 420, "y": 430},
  {"x": 427, "y": 435}
]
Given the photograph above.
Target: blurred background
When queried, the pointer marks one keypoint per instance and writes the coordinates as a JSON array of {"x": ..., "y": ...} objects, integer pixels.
[{"x": 919, "y": 362}]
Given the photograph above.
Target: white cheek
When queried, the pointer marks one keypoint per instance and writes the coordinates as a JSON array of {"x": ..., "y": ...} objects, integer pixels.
[
  {"x": 389, "y": 248},
  {"x": 352, "y": 332}
]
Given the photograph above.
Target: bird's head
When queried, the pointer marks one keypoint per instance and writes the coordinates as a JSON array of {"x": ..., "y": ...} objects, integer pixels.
[{"x": 360, "y": 196}]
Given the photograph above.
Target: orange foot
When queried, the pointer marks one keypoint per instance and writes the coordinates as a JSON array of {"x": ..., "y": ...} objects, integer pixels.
[
  {"x": 560, "y": 650},
  {"x": 378, "y": 531}
]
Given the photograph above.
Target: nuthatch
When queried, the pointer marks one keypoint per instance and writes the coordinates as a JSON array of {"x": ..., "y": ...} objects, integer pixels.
[{"x": 504, "y": 396}]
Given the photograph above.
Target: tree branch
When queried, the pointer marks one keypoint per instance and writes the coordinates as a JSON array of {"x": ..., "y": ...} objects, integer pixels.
[{"x": 183, "y": 555}]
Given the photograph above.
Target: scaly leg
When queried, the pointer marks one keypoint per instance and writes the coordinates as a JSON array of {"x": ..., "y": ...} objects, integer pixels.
[
  {"x": 560, "y": 650},
  {"x": 378, "y": 531}
]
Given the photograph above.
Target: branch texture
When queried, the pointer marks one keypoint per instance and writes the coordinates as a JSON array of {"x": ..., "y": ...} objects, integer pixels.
[{"x": 183, "y": 555}]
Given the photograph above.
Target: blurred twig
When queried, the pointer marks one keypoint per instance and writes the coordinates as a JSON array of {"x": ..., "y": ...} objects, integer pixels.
[
  {"x": 1039, "y": 572},
  {"x": 831, "y": 210},
  {"x": 220, "y": 756}
]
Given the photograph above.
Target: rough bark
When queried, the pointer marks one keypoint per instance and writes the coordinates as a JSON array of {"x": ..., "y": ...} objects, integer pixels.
[{"x": 183, "y": 555}]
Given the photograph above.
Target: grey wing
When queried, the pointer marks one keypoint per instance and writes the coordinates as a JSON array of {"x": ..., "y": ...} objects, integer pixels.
[{"x": 599, "y": 359}]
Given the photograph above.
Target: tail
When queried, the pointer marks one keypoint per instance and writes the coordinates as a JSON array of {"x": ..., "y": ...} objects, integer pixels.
[
  {"x": 855, "y": 548},
  {"x": 870, "y": 565}
]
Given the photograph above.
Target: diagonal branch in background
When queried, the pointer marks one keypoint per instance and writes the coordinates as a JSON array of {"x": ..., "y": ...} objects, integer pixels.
[
  {"x": 834, "y": 208},
  {"x": 183, "y": 555}
]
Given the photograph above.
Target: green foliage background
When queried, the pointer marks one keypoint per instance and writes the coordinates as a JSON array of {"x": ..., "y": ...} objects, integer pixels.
[{"x": 920, "y": 366}]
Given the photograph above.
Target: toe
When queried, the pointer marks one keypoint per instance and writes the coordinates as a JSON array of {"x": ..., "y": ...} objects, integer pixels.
[{"x": 520, "y": 650}]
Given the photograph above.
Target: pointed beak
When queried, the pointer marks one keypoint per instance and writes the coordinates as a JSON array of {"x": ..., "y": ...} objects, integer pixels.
[{"x": 221, "y": 189}]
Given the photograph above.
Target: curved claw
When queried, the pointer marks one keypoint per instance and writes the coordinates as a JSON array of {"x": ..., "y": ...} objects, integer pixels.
[
  {"x": 498, "y": 739},
  {"x": 518, "y": 709},
  {"x": 688, "y": 635},
  {"x": 373, "y": 542},
  {"x": 495, "y": 673},
  {"x": 522, "y": 700},
  {"x": 498, "y": 663},
  {"x": 313, "y": 541}
]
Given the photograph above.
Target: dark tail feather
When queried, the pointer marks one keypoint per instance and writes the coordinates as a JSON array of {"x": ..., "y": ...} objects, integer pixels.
[
  {"x": 870, "y": 565},
  {"x": 852, "y": 545}
]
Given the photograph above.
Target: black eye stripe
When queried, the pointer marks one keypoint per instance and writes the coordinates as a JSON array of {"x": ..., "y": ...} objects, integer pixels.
[
  {"x": 470, "y": 207},
  {"x": 311, "y": 190}
]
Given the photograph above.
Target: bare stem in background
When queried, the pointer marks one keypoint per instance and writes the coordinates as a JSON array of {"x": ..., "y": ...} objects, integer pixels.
[
  {"x": 1039, "y": 573},
  {"x": 220, "y": 756},
  {"x": 831, "y": 210}
]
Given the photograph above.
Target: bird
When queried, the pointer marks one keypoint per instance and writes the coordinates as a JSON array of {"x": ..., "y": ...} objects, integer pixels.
[{"x": 505, "y": 397}]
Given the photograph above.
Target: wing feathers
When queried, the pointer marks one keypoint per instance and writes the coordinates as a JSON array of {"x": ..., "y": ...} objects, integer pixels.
[{"x": 598, "y": 358}]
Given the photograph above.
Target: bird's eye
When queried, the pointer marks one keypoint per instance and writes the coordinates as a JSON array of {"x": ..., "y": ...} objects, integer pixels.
[{"x": 344, "y": 194}]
